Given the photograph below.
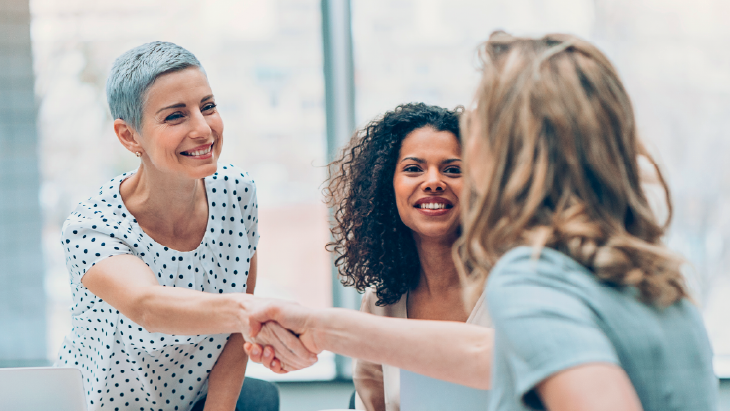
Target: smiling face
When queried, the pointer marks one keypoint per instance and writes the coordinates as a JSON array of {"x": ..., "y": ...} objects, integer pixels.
[
  {"x": 427, "y": 183},
  {"x": 181, "y": 129}
]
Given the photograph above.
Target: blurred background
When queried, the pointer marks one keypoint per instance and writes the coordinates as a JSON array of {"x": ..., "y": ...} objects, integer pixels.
[{"x": 292, "y": 78}]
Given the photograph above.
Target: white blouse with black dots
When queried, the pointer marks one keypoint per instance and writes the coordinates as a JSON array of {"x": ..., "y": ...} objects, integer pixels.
[{"x": 124, "y": 366}]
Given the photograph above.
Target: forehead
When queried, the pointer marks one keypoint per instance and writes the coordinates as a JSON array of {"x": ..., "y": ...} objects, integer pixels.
[
  {"x": 428, "y": 143},
  {"x": 176, "y": 86}
]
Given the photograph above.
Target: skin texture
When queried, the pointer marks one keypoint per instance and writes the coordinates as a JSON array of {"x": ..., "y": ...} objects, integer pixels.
[
  {"x": 447, "y": 350},
  {"x": 429, "y": 169},
  {"x": 167, "y": 197},
  {"x": 429, "y": 165},
  {"x": 593, "y": 387}
]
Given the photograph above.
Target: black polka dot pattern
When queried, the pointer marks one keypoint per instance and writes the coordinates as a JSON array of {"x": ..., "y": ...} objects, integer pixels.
[{"x": 124, "y": 366}]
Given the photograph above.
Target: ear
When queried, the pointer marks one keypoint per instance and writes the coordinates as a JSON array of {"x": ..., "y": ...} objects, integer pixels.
[{"x": 127, "y": 136}]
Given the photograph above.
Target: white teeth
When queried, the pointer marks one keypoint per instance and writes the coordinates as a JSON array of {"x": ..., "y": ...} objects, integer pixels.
[
  {"x": 433, "y": 206},
  {"x": 199, "y": 152}
]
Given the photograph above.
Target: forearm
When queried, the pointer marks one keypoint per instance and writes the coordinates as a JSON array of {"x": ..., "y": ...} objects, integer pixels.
[
  {"x": 189, "y": 312},
  {"x": 226, "y": 377},
  {"x": 452, "y": 351},
  {"x": 128, "y": 284}
]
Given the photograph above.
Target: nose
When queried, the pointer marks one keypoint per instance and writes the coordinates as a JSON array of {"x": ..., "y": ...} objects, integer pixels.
[
  {"x": 433, "y": 183},
  {"x": 199, "y": 126}
]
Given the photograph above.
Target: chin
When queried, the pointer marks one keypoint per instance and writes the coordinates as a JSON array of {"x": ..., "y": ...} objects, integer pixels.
[
  {"x": 202, "y": 170},
  {"x": 440, "y": 233}
]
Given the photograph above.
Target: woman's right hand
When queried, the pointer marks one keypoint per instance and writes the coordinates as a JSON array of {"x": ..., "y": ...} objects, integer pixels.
[
  {"x": 287, "y": 320},
  {"x": 266, "y": 356},
  {"x": 272, "y": 337}
]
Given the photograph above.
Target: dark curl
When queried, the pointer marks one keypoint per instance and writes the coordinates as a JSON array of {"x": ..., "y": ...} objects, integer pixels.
[{"x": 374, "y": 247}]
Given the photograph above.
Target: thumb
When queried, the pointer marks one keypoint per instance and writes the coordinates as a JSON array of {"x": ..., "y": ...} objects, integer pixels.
[{"x": 259, "y": 314}]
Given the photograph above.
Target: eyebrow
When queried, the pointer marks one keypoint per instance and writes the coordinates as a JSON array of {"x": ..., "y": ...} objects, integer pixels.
[
  {"x": 422, "y": 161},
  {"x": 181, "y": 105}
]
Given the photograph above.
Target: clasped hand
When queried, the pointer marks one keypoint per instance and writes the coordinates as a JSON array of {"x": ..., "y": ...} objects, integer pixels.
[{"x": 279, "y": 337}]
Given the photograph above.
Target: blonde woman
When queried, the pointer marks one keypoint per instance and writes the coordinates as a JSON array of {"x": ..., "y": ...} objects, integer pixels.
[{"x": 590, "y": 310}]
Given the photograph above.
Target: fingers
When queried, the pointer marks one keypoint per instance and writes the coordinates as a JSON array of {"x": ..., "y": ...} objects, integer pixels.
[
  {"x": 277, "y": 367},
  {"x": 264, "y": 356},
  {"x": 285, "y": 347},
  {"x": 254, "y": 352},
  {"x": 294, "y": 346}
]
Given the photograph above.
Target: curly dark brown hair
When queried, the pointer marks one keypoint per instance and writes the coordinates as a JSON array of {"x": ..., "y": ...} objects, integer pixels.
[{"x": 374, "y": 247}]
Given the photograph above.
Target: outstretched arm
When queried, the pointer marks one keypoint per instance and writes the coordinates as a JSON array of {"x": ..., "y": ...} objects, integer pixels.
[
  {"x": 452, "y": 351},
  {"x": 130, "y": 286}
]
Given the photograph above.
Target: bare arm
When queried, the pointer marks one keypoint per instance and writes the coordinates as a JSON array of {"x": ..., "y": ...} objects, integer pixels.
[
  {"x": 589, "y": 387},
  {"x": 226, "y": 377},
  {"x": 452, "y": 351},
  {"x": 130, "y": 286}
]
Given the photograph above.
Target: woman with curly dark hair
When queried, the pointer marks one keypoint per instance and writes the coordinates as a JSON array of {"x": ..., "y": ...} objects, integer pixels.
[{"x": 395, "y": 195}]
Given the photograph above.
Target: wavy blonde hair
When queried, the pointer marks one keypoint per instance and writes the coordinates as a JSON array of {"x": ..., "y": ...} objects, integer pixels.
[{"x": 559, "y": 147}]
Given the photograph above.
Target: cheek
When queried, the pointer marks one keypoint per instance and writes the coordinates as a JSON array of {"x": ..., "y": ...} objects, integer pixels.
[
  {"x": 457, "y": 186},
  {"x": 402, "y": 191}
]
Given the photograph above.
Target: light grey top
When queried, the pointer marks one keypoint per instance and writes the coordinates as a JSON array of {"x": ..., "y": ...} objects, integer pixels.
[{"x": 550, "y": 314}]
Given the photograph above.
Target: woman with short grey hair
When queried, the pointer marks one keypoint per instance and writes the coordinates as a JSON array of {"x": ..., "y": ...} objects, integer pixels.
[{"x": 162, "y": 260}]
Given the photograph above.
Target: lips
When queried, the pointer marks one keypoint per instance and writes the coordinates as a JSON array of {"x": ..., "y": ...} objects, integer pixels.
[{"x": 199, "y": 151}]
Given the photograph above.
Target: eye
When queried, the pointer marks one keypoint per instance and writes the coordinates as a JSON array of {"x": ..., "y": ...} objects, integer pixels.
[
  {"x": 174, "y": 116},
  {"x": 411, "y": 169},
  {"x": 209, "y": 107},
  {"x": 452, "y": 170}
]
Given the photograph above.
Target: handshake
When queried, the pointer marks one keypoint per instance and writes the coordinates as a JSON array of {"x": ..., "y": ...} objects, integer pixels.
[{"x": 280, "y": 334}]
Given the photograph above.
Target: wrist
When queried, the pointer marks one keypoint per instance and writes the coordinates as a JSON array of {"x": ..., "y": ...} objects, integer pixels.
[
  {"x": 317, "y": 322},
  {"x": 243, "y": 305}
]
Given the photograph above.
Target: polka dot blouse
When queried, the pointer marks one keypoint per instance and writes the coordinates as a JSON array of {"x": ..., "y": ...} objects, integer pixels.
[{"x": 124, "y": 366}]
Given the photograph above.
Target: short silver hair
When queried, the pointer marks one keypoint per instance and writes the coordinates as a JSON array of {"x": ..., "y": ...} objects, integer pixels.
[{"x": 134, "y": 72}]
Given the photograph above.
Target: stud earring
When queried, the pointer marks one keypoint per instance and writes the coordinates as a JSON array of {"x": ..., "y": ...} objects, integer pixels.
[{"x": 138, "y": 154}]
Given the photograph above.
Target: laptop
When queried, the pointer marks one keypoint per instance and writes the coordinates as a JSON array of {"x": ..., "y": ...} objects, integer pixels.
[
  {"x": 48, "y": 388},
  {"x": 421, "y": 393}
]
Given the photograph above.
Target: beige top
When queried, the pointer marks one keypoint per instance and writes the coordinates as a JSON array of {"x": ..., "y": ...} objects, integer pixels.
[{"x": 378, "y": 386}]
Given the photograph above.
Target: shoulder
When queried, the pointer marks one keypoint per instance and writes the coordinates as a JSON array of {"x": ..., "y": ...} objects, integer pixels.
[
  {"x": 369, "y": 305},
  {"x": 547, "y": 282},
  {"x": 233, "y": 177},
  {"x": 545, "y": 267},
  {"x": 103, "y": 212}
]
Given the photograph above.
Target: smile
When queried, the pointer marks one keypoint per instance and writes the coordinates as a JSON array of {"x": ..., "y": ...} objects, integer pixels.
[
  {"x": 198, "y": 151},
  {"x": 434, "y": 206}
]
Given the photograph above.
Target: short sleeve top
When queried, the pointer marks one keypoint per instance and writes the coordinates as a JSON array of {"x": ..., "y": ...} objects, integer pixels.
[
  {"x": 551, "y": 313},
  {"x": 125, "y": 366}
]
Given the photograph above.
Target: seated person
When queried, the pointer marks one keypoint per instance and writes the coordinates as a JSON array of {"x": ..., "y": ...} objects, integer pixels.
[
  {"x": 395, "y": 197},
  {"x": 162, "y": 260}
]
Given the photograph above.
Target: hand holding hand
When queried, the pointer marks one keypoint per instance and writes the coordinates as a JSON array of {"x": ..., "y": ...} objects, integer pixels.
[
  {"x": 275, "y": 347},
  {"x": 292, "y": 354}
]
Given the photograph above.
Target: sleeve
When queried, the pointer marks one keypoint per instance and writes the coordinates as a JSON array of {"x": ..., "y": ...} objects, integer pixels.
[
  {"x": 368, "y": 376},
  {"x": 248, "y": 202},
  {"x": 543, "y": 324},
  {"x": 86, "y": 242}
]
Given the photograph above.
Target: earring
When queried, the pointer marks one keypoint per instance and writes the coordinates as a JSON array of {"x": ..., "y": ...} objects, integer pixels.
[{"x": 138, "y": 154}]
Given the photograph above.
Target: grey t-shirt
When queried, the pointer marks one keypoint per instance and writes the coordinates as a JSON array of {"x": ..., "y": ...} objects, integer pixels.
[{"x": 551, "y": 314}]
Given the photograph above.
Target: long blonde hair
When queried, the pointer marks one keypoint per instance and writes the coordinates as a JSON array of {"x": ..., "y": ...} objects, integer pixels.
[{"x": 561, "y": 166}]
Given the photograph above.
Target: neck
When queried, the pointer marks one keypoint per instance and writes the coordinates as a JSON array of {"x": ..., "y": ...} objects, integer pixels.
[
  {"x": 438, "y": 271},
  {"x": 161, "y": 201}
]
